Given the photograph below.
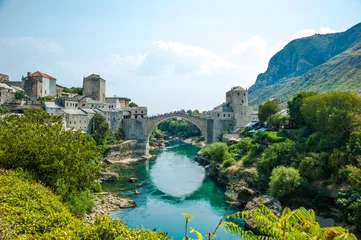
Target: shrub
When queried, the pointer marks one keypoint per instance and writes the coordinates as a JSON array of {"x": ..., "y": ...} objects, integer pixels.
[
  {"x": 31, "y": 211},
  {"x": 316, "y": 162},
  {"x": 276, "y": 154},
  {"x": 354, "y": 176},
  {"x": 243, "y": 146},
  {"x": 64, "y": 161},
  {"x": 228, "y": 162},
  {"x": 350, "y": 205},
  {"x": 284, "y": 181},
  {"x": 217, "y": 152}
]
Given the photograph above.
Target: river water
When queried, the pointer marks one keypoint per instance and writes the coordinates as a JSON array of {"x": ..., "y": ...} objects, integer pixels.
[{"x": 171, "y": 184}]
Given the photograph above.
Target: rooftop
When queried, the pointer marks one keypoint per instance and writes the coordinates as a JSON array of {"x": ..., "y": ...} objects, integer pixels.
[
  {"x": 51, "y": 105},
  {"x": 41, "y": 74},
  {"x": 73, "y": 111}
]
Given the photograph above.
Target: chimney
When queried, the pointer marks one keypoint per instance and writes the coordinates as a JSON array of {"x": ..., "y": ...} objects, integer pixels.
[{"x": 29, "y": 74}]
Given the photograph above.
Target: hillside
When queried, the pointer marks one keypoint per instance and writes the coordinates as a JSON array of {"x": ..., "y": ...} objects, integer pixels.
[{"x": 317, "y": 63}]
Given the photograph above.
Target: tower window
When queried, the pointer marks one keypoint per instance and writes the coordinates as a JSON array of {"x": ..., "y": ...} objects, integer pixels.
[
  {"x": 238, "y": 94},
  {"x": 244, "y": 94},
  {"x": 242, "y": 101}
]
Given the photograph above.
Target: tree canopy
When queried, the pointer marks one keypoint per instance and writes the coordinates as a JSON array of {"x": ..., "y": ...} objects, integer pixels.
[
  {"x": 267, "y": 109},
  {"x": 64, "y": 161},
  {"x": 99, "y": 128}
]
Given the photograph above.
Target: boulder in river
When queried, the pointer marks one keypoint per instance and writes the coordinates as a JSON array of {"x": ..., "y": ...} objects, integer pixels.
[
  {"x": 108, "y": 176},
  {"x": 132, "y": 180},
  {"x": 270, "y": 202}
]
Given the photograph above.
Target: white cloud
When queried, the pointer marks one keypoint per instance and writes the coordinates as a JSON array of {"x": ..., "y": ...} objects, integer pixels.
[
  {"x": 33, "y": 43},
  {"x": 188, "y": 59},
  {"x": 324, "y": 30},
  {"x": 254, "y": 43},
  {"x": 116, "y": 64}
]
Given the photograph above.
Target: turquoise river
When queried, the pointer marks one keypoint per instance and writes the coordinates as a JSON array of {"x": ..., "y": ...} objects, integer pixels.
[{"x": 170, "y": 184}]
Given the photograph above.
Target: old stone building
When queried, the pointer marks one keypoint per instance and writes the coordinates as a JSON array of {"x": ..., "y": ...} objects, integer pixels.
[
  {"x": 39, "y": 84},
  {"x": 4, "y": 78},
  {"x": 235, "y": 110},
  {"x": 7, "y": 94},
  {"x": 94, "y": 87}
]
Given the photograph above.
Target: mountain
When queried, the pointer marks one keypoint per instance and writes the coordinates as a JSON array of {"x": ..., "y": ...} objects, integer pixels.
[{"x": 316, "y": 63}]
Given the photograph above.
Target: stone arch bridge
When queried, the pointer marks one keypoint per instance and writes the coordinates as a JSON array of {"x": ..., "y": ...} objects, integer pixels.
[{"x": 141, "y": 129}]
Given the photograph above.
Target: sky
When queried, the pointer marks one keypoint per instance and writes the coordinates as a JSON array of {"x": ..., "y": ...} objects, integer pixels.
[{"x": 164, "y": 54}]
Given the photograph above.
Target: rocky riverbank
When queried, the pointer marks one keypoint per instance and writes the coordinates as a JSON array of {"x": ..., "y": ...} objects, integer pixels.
[{"x": 105, "y": 202}]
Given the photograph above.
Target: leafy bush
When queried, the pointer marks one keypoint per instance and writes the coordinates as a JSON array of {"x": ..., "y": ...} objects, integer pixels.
[
  {"x": 243, "y": 146},
  {"x": 217, "y": 152},
  {"x": 30, "y": 211},
  {"x": 273, "y": 137},
  {"x": 316, "y": 162},
  {"x": 64, "y": 161},
  {"x": 267, "y": 109},
  {"x": 276, "y": 154},
  {"x": 354, "y": 176},
  {"x": 284, "y": 181},
  {"x": 350, "y": 205},
  {"x": 229, "y": 162}
]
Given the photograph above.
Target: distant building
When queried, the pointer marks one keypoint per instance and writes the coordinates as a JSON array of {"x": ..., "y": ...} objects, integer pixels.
[
  {"x": 52, "y": 107},
  {"x": 4, "y": 78},
  {"x": 94, "y": 87},
  {"x": 120, "y": 102},
  {"x": 235, "y": 111},
  {"x": 7, "y": 94},
  {"x": 39, "y": 84}
]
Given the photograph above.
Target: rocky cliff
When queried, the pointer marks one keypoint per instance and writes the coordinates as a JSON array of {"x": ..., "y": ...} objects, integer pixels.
[{"x": 317, "y": 63}]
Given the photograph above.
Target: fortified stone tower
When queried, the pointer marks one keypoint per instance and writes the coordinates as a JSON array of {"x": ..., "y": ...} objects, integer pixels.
[
  {"x": 94, "y": 87},
  {"x": 237, "y": 98}
]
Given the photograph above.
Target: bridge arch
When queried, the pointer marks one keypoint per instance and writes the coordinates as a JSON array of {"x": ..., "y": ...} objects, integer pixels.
[{"x": 152, "y": 123}]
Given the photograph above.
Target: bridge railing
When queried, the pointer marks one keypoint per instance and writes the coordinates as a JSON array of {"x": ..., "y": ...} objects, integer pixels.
[{"x": 177, "y": 113}]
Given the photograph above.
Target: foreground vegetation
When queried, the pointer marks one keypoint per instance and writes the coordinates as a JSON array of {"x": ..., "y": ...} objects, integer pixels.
[
  {"x": 31, "y": 211},
  {"x": 296, "y": 166}
]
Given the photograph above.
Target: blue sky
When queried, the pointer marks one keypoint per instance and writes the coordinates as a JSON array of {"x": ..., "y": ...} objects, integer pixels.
[{"x": 166, "y": 55}]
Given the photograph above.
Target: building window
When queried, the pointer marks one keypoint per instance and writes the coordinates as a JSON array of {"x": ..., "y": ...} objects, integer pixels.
[
  {"x": 229, "y": 115},
  {"x": 142, "y": 111},
  {"x": 218, "y": 115},
  {"x": 242, "y": 101},
  {"x": 70, "y": 122},
  {"x": 45, "y": 92},
  {"x": 244, "y": 94},
  {"x": 224, "y": 115},
  {"x": 136, "y": 111},
  {"x": 83, "y": 104},
  {"x": 67, "y": 104},
  {"x": 238, "y": 94}
]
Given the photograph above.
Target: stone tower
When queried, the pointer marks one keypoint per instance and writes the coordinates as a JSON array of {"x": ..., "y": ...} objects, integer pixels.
[
  {"x": 237, "y": 98},
  {"x": 94, "y": 87}
]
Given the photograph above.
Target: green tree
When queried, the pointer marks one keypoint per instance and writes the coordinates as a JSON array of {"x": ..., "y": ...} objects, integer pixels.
[
  {"x": 295, "y": 104},
  {"x": 195, "y": 112},
  {"x": 189, "y": 112},
  {"x": 3, "y": 109},
  {"x": 267, "y": 109},
  {"x": 120, "y": 135},
  {"x": 333, "y": 116},
  {"x": 284, "y": 181},
  {"x": 217, "y": 152},
  {"x": 132, "y": 104},
  {"x": 20, "y": 95},
  {"x": 99, "y": 128},
  {"x": 277, "y": 154},
  {"x": 318, "y": 163},
  {"x": 298, "y": 224},
  {"x": 64, "y": 161}
]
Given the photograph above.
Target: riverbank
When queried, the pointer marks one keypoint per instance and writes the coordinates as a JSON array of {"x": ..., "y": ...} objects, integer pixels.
[{"x": 105, "y": 202}]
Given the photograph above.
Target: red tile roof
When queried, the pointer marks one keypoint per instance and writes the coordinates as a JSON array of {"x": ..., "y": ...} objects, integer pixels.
[{"x": 40, "y": 74}]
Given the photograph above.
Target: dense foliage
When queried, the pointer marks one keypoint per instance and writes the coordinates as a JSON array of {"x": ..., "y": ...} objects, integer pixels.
[
  {"x": 267, "y": 109},
  {"x": 324, "y": 151},
  {"x": 292, "y": 224},
  {"x": 284, "y": 181},
  {"x": 64, "y": 161},
  {"x": 30, "y": 211},
  {"x": 74, "y": 90},
  {"x": 99, "y": 128},
  {"x": 182, "y": 128}
]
